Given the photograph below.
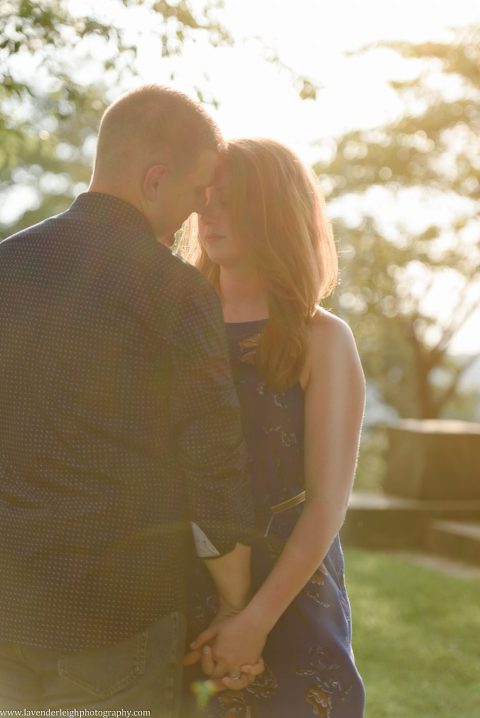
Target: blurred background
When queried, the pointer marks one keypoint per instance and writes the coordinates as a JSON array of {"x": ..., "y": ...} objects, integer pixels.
[{"x": 382, "y": 98}]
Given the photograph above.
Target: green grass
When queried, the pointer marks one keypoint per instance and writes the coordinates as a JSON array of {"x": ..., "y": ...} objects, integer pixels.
[{"x": 416, "y": 636}]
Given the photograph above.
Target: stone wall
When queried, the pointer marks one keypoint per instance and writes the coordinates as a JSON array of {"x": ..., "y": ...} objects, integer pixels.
[{"x": 433, "y": 459}]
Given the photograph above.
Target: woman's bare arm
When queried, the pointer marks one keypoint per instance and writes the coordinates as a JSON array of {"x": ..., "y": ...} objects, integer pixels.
[
  {"x": 334, "y": 387},
  {"x": 334, "y": 404}
]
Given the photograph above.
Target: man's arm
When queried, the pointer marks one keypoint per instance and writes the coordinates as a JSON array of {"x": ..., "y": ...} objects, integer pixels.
[{"x": 208, "y": 438}]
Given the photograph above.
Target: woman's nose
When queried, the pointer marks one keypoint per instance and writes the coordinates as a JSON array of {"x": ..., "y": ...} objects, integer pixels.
[
  {"x": 201, "y": 205},
  {"x": 209, "y": 209}
]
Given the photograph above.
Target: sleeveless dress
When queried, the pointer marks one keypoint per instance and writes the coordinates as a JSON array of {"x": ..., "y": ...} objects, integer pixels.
[{"x": 310, "y": 669}]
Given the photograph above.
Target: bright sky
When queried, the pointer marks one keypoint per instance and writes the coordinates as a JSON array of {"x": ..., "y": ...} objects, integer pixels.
[{"x": 314, "y": 38}]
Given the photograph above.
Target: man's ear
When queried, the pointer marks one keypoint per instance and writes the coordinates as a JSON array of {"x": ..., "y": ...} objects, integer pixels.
[{"x": 154, "y": 177}]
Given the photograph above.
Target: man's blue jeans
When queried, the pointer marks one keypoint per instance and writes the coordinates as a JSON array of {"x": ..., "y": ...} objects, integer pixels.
[{"x": 143, "y": 673}]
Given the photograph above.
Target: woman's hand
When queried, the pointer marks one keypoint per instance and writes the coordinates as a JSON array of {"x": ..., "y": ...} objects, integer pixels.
[
  {"x": 232, "y": 644},
  {"x": 202, "y": 652},
  {"x": 246, "y": 675}
]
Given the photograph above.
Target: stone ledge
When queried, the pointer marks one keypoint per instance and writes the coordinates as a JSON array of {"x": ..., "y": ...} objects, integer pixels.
[
  {"x": 433, "y": 459},
  {"x": 468, "y": 530},
  {"x": 360, "y": 500},
  {"x": 379, "y": 521},
  {"x": 460, "y": 540}
]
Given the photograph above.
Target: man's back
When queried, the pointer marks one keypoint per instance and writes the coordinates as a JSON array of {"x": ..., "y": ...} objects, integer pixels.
[{"x": 106, "y": 342}]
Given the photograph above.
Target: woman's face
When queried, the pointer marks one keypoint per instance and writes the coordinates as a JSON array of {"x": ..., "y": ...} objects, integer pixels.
[{"x": 214, "y": 227}]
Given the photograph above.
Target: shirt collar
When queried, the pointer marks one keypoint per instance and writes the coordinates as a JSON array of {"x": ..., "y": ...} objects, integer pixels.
[{"x": 105, "y": 208}]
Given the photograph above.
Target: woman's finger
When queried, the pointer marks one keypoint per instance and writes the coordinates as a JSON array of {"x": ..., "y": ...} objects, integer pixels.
[
  {"x": 219, "y": 670},
  {"x": 207, "y": 662},
  {"x": 254, "y": 669},
  {"x": 204, "y": 637},
  {"x": 192, "y": 657},
  {"x": 236, "y": 684}
]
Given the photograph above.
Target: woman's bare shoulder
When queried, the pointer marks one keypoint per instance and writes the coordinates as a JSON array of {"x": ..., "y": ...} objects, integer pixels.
[
  {"x": 330, "y": 343},
  {"x": 327, "y": 327}
]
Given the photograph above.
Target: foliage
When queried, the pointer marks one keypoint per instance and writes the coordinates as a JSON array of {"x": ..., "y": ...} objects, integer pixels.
[
  {"x": 432, "y": 152},
  {"x": 50, "y": 108},
  {"x": 49, "y": 112},
  {"x": 371, "y": 466}
]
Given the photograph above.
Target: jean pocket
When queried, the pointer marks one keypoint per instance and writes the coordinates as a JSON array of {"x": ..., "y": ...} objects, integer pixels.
[{"x": 103, "y": 672}]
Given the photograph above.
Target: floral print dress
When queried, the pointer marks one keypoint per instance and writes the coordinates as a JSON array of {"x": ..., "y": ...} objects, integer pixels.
[{"x": 310, "y": 668}]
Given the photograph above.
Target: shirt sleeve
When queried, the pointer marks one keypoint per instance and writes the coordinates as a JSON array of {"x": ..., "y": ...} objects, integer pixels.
[{"x": 206, "y": 421}]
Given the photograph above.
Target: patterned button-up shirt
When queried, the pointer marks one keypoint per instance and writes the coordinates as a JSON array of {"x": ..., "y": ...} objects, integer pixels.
[{"x": 119, "y": 427}]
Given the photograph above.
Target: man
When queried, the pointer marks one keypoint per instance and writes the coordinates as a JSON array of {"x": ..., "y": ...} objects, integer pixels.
[{"x": 119, "y": 426}]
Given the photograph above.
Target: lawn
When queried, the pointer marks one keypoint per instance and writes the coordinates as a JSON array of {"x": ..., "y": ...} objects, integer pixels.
[{"x": 416, "y": 637}]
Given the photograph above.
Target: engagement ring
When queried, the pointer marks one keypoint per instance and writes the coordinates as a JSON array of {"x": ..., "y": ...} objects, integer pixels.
[{"x": 235, "y": 676}]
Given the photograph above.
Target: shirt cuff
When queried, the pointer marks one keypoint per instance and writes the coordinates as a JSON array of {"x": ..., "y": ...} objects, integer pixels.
[{"x": 203, "y": 546}]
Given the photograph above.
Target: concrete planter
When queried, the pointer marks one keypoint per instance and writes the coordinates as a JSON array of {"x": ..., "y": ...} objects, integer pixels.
[{"x": 433, "y": 459}]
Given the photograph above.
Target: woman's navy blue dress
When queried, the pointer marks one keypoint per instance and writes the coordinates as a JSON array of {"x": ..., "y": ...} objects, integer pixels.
[{"x": 310, "y": 669}]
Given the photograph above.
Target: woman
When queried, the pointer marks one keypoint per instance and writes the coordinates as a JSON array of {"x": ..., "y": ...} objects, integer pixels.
[{"x": 266, "y": 246}]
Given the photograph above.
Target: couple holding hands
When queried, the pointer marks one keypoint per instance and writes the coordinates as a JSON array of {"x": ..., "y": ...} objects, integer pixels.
[{"x": 178, "y": 436}]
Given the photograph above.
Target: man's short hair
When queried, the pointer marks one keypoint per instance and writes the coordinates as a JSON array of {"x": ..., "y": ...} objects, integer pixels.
[{"x": 153, "y": 118}]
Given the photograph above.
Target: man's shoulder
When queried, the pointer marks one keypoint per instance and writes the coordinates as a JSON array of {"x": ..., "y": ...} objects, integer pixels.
[
  {"x": 193, "y": 305},
  {"x": 190, "y": 281},
  {"x": 43, "y": 227}
]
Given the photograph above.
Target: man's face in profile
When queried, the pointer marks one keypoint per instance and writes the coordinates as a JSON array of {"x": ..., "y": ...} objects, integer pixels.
[{"x": 184, "y": 193}]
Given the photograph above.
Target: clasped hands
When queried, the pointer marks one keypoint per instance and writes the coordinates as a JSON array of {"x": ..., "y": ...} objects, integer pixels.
[{"x": 229, "y": 650}]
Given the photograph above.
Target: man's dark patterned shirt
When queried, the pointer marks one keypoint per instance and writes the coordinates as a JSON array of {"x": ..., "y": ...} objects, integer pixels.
[{"x": 119, "y": 425}]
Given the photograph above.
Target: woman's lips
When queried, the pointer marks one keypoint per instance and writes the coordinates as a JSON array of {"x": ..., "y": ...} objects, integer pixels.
[{"x": 213, "y": 236}]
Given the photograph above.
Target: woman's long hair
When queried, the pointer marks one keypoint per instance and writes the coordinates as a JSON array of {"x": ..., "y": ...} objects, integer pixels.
[{"x": 276, "y": 208}]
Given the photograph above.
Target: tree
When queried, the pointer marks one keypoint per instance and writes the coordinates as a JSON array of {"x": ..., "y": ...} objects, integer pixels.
[
  {"x": 48, "y": 112},
  {"x": 392, "y": 271},
  {"x": 49, "y": 105}
]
